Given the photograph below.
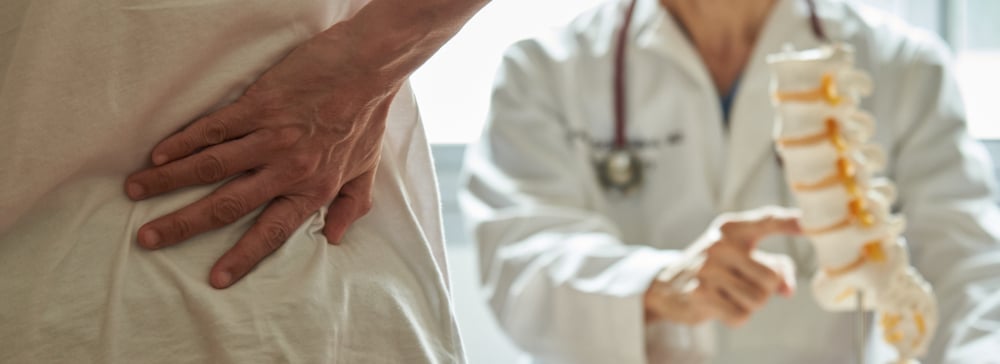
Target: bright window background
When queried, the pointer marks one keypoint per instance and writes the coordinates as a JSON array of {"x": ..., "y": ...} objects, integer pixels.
[
  {"x": 974, "y": 31},
  {"x": 453, "y": 87}
]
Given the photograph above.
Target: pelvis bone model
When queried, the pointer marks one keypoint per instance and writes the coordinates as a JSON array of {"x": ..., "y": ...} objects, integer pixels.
[{"x": 822, "y": 138}]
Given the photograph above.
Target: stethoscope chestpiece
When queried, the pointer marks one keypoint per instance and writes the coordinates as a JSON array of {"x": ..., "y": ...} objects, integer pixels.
[{"x": 620, "y": 170}]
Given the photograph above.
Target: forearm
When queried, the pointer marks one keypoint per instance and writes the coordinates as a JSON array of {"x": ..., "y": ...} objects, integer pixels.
[
  {"x": 388, "y": 39},
  {"x": 572, "y": 296}
]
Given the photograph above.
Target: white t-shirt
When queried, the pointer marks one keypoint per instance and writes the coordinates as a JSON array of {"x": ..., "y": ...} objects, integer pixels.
[{"x": 87, "y": 88}]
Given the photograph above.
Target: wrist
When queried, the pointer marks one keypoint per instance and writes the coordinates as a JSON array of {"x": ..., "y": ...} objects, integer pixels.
[
  {"x": 668, "y": 297},
  {"x": 389, "y": 39},
  {"x": 663, "y": 302},
  {"x": 652, "y": 302},
  {"x": 351, "y": 60}
]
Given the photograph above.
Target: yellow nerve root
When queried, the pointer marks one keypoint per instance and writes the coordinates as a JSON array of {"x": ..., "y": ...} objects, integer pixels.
[
  {"x": 889, "y": 323},
  {"x": 872, "y": 251},
  {"x": 827, "y": 91},
  {"x": 847, "y": 293}
]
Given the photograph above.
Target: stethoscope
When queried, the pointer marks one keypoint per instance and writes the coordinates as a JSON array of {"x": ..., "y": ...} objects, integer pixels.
[{"x": 620, "y": 170}]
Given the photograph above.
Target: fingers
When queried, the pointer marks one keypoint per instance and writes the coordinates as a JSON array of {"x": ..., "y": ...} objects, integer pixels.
[
  {"x": 230, "y": 122},
  {"x": 749, "y": 232},
  {"x": 274, "y": 226},
  {"x": 783, "y": 266},
  {"x": 719, "y": 305},
  {"x": 353, "y": 202},
  {"x": 227, "y": 204},
  {"x": 747, "y": 295},
  {"x": 751, "y": 281},
  {"x": 734, "y": 284},
  {"x": 731, "y": 258},
  {"x": 208, "y": 166}
]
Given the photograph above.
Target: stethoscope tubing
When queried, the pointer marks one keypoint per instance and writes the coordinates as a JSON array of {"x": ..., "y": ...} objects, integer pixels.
[
  {"x": 619, "y": 97},
  {"x": 620, "y": 75}
]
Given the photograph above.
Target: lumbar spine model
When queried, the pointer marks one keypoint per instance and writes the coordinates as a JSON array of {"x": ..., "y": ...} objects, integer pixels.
[{"x": 821, "y": 136}]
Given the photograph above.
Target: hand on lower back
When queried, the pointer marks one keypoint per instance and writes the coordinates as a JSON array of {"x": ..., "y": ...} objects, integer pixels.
[
  {"x": 731, "y": 279},
  {"x": 307, "y": 133}
]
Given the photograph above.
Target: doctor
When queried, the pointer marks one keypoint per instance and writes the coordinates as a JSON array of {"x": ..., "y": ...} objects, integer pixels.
[{"x": 577, "y": 253}]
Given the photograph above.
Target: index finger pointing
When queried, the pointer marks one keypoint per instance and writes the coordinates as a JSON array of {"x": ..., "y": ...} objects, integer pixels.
[
  {"x": 748, "y": 233},
  {"x": 779, "y": 225},
  {"x": 232, "y": 121}
]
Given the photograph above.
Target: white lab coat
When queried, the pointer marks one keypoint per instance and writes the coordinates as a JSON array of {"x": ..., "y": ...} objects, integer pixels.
[{"x": 564, "y": 263}]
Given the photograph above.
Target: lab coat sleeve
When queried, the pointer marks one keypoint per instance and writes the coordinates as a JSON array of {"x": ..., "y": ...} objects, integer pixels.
[
  {"x": 947, "y": 192},
  {"x": 556, "y": 274}
]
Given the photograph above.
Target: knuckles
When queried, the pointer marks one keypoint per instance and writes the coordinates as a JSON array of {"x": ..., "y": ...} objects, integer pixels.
[
  {"x": 326, "y": 191},
  {"x": 361, "y": 205},
  {"x": 365, "y": 206},
  {"x": 210, "y": 169},
  {"x": 227, "y": 210},
  {"x": 733, "y": 229},
  {"x": 719, "y": 248},
  {"x": 162, "y": 180},
  {"x": 771, "y": 279},
  {"x": 295, "y": 165},
  {"x": 187, "y": 145},
  {"x": 287, "y": 136},
  {"x": 215, "y": 131},
  {"x": 302, "y": 165},
  {"x": 275, "y": 234},
  {"x": 181, "y": 227},
  {"x": 758, "y": 298}
]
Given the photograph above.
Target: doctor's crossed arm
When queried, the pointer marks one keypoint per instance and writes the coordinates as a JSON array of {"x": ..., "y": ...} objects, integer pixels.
[{"x": 304, "y": 135}]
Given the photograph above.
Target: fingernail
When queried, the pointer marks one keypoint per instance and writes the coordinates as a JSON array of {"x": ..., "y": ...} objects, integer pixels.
[
  {"x": 149, "y": 239},
  {"x": 135, "y": 190},
  {"x": 159, "y": 159},
  {"x": 222, "y": 279}
]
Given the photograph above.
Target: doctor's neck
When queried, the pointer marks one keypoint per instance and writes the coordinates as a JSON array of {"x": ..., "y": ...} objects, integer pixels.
[{"x": 723, "y": 32}]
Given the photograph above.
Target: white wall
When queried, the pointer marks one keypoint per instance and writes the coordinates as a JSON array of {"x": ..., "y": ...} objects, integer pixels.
[{"x": 453, "y": 87}]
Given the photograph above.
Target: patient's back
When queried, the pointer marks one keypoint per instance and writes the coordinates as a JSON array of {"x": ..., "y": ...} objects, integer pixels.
[{"x": 86, "y": 90}]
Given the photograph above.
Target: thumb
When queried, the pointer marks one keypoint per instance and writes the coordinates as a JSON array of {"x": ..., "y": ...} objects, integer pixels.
[
  {"x": 781, "y": 264},
  {"x": 353, "y": 202}
]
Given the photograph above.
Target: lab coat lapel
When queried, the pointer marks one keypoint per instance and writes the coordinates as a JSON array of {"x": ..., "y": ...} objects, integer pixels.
[
  {"x": 659, "y": 34},
  {"x": 751, "y": 117}
]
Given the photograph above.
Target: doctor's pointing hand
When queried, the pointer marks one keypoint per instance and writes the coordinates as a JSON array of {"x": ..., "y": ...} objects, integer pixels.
[{"x": 732, "y": 279}]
